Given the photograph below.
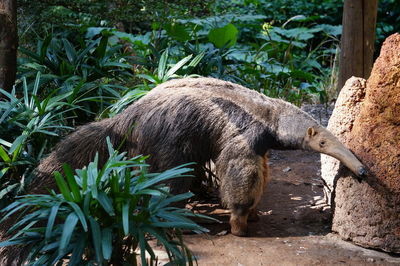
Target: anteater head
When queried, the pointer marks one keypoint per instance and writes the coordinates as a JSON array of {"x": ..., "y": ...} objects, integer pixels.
[{"x": 321, "y": 140}]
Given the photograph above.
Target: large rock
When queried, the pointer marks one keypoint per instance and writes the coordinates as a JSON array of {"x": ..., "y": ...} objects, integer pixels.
[
  {"x": 368, "y": 212},
  {"x": 347, "y": 107}
]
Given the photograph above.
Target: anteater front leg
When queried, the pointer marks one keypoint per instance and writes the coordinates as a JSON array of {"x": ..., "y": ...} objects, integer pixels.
[{"x": 243, "y": 179}]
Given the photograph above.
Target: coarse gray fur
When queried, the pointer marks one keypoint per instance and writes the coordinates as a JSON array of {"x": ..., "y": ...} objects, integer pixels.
[
  {"x": 192, "y": 120},
  {"x": 187, "y": 120}
]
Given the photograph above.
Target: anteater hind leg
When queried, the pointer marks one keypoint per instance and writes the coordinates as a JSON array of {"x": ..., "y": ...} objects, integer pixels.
[
  {"x": 243, "y": 178},
  {"x": 265, "y": 177}
]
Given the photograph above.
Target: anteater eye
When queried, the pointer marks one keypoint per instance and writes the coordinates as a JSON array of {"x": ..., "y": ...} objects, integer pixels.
[{"x": 322, "y": 143}]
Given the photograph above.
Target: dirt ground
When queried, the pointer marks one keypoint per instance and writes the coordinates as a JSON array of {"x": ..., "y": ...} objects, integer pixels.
[{"x": 294, "y": 225}]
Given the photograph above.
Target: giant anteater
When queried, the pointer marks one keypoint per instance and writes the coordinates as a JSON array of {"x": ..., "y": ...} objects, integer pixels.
[{"x": 201, "y": 120}]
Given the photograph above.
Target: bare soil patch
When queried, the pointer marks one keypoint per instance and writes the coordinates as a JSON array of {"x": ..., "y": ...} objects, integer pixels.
[{"x": 294, "y": 225}]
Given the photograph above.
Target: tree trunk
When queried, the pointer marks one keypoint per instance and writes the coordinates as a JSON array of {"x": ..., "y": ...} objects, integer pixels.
[
  {"x": 8, "y": 43},
  {"x": 358, "y": 36}
]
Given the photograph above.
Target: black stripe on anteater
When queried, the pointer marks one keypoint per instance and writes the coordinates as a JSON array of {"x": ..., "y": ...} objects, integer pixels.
[{"x": 259, "y": 137}]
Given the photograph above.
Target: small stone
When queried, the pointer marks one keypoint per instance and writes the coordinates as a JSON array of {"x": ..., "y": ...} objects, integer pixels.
[
  {"x": 222, "y": 233},
  {"x": 287, "y": 169}
]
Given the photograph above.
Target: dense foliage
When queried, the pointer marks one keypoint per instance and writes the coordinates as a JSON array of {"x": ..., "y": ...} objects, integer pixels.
[
  {"x": 104, "y": 215},
  {"x": 86, "y": 60}
]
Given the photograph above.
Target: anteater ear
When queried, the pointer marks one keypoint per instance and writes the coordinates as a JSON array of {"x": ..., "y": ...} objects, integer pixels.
[{"x": 311, "y": 132}]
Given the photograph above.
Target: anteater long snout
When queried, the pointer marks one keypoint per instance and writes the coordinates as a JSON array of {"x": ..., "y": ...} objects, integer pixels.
[{"x": 349, "y": 160}]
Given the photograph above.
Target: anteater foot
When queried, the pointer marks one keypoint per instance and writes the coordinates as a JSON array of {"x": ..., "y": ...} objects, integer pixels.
[
  {"x": 239, "y": 232},
  {"x": 238, "y": 225}
]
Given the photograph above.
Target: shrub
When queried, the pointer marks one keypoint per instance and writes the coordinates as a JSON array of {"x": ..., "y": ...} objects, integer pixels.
[
  {"x": 30, "y": 124},
  {"x": 104, "y": 215}
]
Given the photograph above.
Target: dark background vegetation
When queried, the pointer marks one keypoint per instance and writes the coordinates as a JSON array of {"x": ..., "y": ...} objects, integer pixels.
[{"x": 85, "y": 60}]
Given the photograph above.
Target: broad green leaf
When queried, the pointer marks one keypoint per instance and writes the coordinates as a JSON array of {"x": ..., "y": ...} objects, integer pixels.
[
  {"x": 96, "y": 236},
  {"x": 69, "y": 50},
  {"x": 109, "y": 146},
  {"x": 72, "y": 182},
  {"x": 50, "y": 222},
  {"x": 225, "y": 36},
  {"x": 4, "y": 155},
  {"x": 8, "y": 189},
  {"x": 142, "y": 245},
  {"x": 171, "y": 173},
  {"x": 86, "y": 203},
  {"x": 106, "y": 203},
  {"x": 51, "y": 246},
  {"x": 176, "y": 67},
  {"x": 301, "y": 34},
  {"x": 175, "y": 198},
  {"x": 9, "y": 109},
  {"x": 43, "y": 47},
  {"x": 3, "y": 171},
  {"x": 26, "y": 94},
  {"x": 149, "y": 78},
  {"x": 177, "y": 31},
  {"x": 125, "y": 217},
  {"x": 26, "y": 219},
  {"x": 37, "y": 104},
  {"x": 68, "y": 229},
  {"x": 13, "y": 242},
  {"x": 80, "y": 214},
  {"x": 18, "y": 143},
  {"x": 12, "y": 208},
  {"x": 5, "y": 143},
  {"x": 93, "y": 31},
  {"x": 162, "y": 65},
  {"x": 196, "y": 60},
  {"x": 35, "y": 89},
  {"x": 102, "y": 48},
  {"x": 330, "y": 29},
  {"x": 117, "y": 64},
  {"x": 106, "y": 243},
  {"x": 62, "y": 186},
  {"x": 83, "y": 174}
]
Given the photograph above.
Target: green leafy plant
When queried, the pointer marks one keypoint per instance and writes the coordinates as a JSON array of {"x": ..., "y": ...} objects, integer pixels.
[
  {"x": 93, "y": 67},
  {"x": 225, "y": 36},
  {"x": 29, "y": 126},
  {"x": 89, "y": 58},
  {"x": 104, "y": 215},
  {"x": 165, "y": 72}
]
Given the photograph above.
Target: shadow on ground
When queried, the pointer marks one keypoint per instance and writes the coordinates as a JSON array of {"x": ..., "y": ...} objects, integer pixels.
[{"x": 294, "y": 228}]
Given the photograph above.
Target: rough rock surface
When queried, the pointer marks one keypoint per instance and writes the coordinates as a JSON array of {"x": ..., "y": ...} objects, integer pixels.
[
  {"x": 368, "y": 212},
  {"x": 347, "y": 107}
]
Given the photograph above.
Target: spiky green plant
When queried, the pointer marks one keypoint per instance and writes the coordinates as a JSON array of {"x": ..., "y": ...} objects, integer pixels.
[
  {"x": 104, "y": 215},
  {"x": 29, "y": 124}
]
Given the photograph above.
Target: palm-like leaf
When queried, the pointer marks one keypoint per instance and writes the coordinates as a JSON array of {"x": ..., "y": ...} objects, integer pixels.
[{"x": 104, "y": 211}]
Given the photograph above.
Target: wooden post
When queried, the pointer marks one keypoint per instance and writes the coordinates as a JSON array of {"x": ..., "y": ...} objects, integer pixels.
[
  {"x": 358, "y": 36},
  {"x": 8, "y": 43}
]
